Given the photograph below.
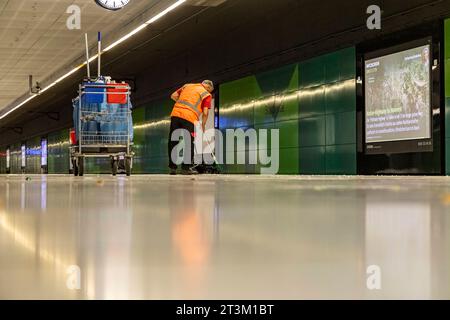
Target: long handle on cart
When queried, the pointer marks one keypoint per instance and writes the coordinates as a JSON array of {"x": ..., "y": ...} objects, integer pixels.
[
  {"x": 87, "y": 56},
  {"x": 99, "y": 53}
]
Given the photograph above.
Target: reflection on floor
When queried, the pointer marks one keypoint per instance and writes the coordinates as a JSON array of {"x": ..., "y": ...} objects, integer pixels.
[{"x": 228, "y": 237}]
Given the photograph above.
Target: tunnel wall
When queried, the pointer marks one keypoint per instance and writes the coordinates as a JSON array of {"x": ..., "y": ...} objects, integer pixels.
[
  {"x": 151, "y": 124},
  {"x": 33, "y": 156},
  {"x": 447, "y": 94},
  {"x": 312, "y": 103},
  {"x": 309, "y": 102},
  {"x": 58, "y": 152},
  {"x": 16, "y": 158},
  {"x": 323, "y": 105}
]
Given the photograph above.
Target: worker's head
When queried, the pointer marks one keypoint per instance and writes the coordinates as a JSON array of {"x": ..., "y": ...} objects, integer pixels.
[{"x": 209, "y": 85}]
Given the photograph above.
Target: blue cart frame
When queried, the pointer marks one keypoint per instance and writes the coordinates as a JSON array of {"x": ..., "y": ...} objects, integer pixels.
[{"x": 113, "y": 144}]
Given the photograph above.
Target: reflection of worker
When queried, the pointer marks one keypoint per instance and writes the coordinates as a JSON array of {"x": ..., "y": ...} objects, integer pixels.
[
  {"x": 192, "y": 100},
  {"x": 191, "y": 238}
]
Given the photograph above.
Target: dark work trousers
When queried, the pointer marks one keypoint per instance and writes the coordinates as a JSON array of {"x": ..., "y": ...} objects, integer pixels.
[{"x": 178, "y": 123}]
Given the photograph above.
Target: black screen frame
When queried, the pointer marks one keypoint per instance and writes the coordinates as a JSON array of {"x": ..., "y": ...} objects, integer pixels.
[{"x": 400, "y": 146}]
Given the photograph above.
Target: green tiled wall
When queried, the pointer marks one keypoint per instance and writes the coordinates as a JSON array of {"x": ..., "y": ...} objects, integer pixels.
[
  {"x": 2, "y": 160},
  {"x": 447, "y": 93},
  {"x": 16, "y": 158},
  {"x": 151, "y": 124},
  {"x": 327, "y": 112},
  {"x": 58, "y": 152},
  {"x": 312, "y": 103},
  {"x": 150, "y": 143},
  {"x": 151, "y": 133},
  {"x": 265, "y": 101},
  {"x": 33, "y": 156}
]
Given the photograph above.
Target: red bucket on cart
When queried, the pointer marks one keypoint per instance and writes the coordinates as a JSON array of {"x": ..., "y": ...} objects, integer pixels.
[{"x": 118, "y": 93}]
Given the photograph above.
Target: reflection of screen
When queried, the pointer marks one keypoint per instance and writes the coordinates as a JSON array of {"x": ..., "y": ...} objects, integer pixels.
[
  {"x": 44, "y": 152},
  {"x": 398, "y": 100}
]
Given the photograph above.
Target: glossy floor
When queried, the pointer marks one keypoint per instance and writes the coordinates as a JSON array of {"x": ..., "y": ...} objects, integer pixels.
[{"x": 229, "y": 237}]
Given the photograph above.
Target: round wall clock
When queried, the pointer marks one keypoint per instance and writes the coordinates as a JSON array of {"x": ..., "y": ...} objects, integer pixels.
[{"x": 112, "y": 4}]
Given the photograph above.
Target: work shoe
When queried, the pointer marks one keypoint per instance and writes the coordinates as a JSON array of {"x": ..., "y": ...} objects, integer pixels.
[
  {"x": 173, "y": 172},
  {"x": 189, "y": 172}
]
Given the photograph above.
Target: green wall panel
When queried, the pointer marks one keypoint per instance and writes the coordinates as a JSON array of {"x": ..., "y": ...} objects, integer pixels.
[
  {"x": 33, "y": 163},
  {"x": 158, "y": 165},
  {"x": 151, "y": 128},
  {"x": 239, "y": 91},
  {"x": 16, "y": 158},
  {"x": 140, "y": 136},
  {"x": 312, "y": 102},
  {"x": 238, "y": 168},
  {"x": 289, "y": 161},
  {"x": 263, "y": 144},
  {"x": 347, "y": 64},
  {"x": 279, "y": 100},
  {"x": 312, "y": 73},
  {"x": 340, "y": 128},
  {"x": 332, "y": 64},
  {"x": 2, "y": 160},
  {"x": 58, "y": 152},
  {"x": 340, "y": 97},
  {"x": 278, "y": 81},
  {"x": 285, "y": 107},
  {"x": 447, "y": 78},
  {"x": 236, "y": 102},
  {"x": 97, "y": 166},
  {"x": 312, "y": 132},
  {"x": 312, "y": 160},
  {"x": 340, "y": 159},
  {"x": 288, "y": 133}
]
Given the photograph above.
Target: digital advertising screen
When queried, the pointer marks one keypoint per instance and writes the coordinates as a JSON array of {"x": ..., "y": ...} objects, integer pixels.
[
  {"x": 43, "y": 152},
  {"x": 8, "y": 158},
  {"x": 398, "y": 101},
  {"x": 24, "y": 156}
]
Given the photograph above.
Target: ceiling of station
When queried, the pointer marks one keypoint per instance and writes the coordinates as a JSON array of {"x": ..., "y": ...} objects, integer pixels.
[{"x": 34, "y": 38}]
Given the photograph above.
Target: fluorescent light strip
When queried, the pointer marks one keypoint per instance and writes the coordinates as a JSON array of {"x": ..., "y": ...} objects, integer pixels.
[
  {"x": 114, "y": 44},
  {"x": 144, "y": 25}
]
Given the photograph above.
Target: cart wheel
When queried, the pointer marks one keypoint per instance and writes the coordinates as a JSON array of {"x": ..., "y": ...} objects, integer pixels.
[
  {"x": 75, "y": 167},
  {"x": 128, "y": 166},
  {"x": 115, "y": 167},
  {"x": 81, "y": 166}
]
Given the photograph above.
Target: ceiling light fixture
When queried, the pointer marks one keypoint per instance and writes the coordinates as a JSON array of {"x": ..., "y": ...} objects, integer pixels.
[{"x": 114, "y": 44}]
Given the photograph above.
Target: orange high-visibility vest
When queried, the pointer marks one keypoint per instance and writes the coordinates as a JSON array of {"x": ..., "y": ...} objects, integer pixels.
[{"x": 189, "y": 104}]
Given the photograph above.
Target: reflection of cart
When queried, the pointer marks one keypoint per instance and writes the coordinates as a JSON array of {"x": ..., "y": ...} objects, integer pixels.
[{"x": 103, "y": 126}]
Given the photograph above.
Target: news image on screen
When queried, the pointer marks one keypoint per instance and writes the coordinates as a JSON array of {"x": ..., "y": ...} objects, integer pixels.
[{"x": 397, "y": 94}]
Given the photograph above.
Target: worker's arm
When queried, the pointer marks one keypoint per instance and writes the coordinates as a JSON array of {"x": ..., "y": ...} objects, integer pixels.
[
  {"x": 205, "y": 118},
  {"x": 206, "y": 105}
]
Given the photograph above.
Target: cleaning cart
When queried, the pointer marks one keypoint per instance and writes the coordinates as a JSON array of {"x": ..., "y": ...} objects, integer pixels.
[{"x": 102, "y": 115}]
